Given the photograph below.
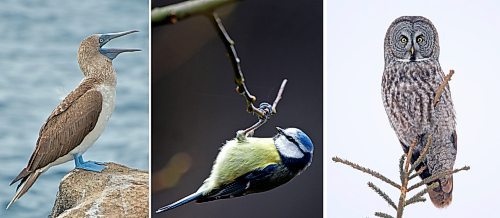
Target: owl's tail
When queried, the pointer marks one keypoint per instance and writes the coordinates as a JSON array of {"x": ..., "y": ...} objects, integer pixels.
[{"x": 441, "y": 196}]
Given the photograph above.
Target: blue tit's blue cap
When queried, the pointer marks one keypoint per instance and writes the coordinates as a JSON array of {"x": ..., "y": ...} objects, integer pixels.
[{"x": 304, "y": 140}]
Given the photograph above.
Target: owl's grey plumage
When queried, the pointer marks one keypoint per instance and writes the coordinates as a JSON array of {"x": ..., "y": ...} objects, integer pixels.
[{"x": 412, "y": 75}]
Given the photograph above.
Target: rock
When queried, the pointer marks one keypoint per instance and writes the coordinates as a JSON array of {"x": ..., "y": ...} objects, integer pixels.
[{"x": 118, "y": 191}]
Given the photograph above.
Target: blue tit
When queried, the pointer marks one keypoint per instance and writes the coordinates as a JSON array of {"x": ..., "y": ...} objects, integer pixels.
[{"x": 251, "y": 165}]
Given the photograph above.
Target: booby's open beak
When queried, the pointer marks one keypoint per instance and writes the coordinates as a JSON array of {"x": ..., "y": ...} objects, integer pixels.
[
  {"x": 280, "y": 130},
  {"x": 111, "y": 53}
]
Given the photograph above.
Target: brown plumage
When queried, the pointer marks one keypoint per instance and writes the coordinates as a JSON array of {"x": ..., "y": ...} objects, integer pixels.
[
  {"x": 412, "y": 75},
  {"x": 80, "y": 118},
  {"x": 65, "y": 129}
]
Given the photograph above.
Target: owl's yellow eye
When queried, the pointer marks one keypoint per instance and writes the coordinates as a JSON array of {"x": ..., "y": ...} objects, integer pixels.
[
  {"x": 420, "y": 39},
  {"x": 404, "y": 40}
]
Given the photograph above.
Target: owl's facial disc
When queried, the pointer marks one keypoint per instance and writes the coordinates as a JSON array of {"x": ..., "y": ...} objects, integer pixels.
[{"x": 413, "y": 39}]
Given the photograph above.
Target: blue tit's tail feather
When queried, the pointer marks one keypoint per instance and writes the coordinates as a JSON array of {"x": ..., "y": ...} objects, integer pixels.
[{"x": 183, "y": 201}]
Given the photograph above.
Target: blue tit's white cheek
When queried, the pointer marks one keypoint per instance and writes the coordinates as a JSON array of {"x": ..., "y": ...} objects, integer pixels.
[{"x": 287, "y": 148}]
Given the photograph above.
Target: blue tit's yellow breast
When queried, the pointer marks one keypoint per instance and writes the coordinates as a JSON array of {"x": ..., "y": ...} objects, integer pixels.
[{"x": 237, "y": 158}]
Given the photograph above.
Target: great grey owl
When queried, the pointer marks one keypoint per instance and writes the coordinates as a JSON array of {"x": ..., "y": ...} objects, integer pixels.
[{"x": 412, "y": 75}]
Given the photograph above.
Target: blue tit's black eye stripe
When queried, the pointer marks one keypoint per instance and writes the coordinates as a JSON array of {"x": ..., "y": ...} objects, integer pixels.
[{"x": 291, "y": 139}]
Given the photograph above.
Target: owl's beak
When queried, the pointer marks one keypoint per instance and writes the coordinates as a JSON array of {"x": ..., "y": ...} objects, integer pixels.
[{"x": 412, "y": 54}]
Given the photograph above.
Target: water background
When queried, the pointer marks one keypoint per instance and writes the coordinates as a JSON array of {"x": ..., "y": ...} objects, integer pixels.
[{"x": 38, "y": 67}]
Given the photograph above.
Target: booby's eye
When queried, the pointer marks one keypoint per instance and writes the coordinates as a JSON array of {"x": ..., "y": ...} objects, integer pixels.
[
  {"x": 420, "y": 39},
  {"x": 101, "y": 40},
  {"x": 404, "y": 40}
]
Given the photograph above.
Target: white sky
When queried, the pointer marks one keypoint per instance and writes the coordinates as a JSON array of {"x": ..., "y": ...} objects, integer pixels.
[{"x": 356, "y": 125}]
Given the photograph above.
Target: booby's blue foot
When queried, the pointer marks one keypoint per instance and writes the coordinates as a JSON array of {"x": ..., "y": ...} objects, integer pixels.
[
  {"x": 91, "y": 166},
  {"x": 88, "y": 165}
]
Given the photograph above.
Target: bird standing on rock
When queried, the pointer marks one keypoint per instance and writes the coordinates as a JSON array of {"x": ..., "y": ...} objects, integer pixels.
[{"x": 76, "y": 123}]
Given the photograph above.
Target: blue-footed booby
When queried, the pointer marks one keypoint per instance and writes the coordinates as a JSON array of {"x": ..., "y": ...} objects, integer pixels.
[{"x": 76, "y": 123}]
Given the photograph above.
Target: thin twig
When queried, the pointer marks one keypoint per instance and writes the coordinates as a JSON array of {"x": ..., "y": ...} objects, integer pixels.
[
  {"x": 265, "y": 110},
  {"x": 171, "y": 14},
  {"x": 417, "y": 173},
  {"x": 239, "y": 79},
  {"x": 382, "y": 194},
  {"x": 366, "y": 170},
  {"x": 278, "y": 98},
  {"x": 442, "y": 86},
  {"x": 424, "y": 151}
]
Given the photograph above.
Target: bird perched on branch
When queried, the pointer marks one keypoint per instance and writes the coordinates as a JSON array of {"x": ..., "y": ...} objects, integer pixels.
[
  {"x": 411, "y": 78},
  {"x": 76, "y": 123},
  {"x": 248, "y": 165}
]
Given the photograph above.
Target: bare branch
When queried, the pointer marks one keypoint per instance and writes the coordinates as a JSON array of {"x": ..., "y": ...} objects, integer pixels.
[
  {"x": 235, "y": 62},
  {"x": 417, "y": 173},
  {"x": 265, "y": 110},
  {"x": 382, "y": 194},
  {"x": 368, "y": 171},
  {"x": 239, "y": 79},
  {"x": 278, "y": 97},
  {"x": 422, "y": 154},
  {"x": 171, "y": 14},
  {"x": 441, "y": 87}
]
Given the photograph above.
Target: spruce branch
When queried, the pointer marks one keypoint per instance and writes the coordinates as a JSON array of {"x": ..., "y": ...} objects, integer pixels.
[
  {"x": 404, "y": 184},
  {"x": 401, "y": 168},
  {"x": 419, "y": 196},
  {"x": 383, "y": 215},
  {"x": 415, "y": 200},
  {"x": 437, "y": 176},
  {"x": 382, "y": 194},
  {"x": 367, "y": 170},
  {"x": 407, "y": 170}
]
